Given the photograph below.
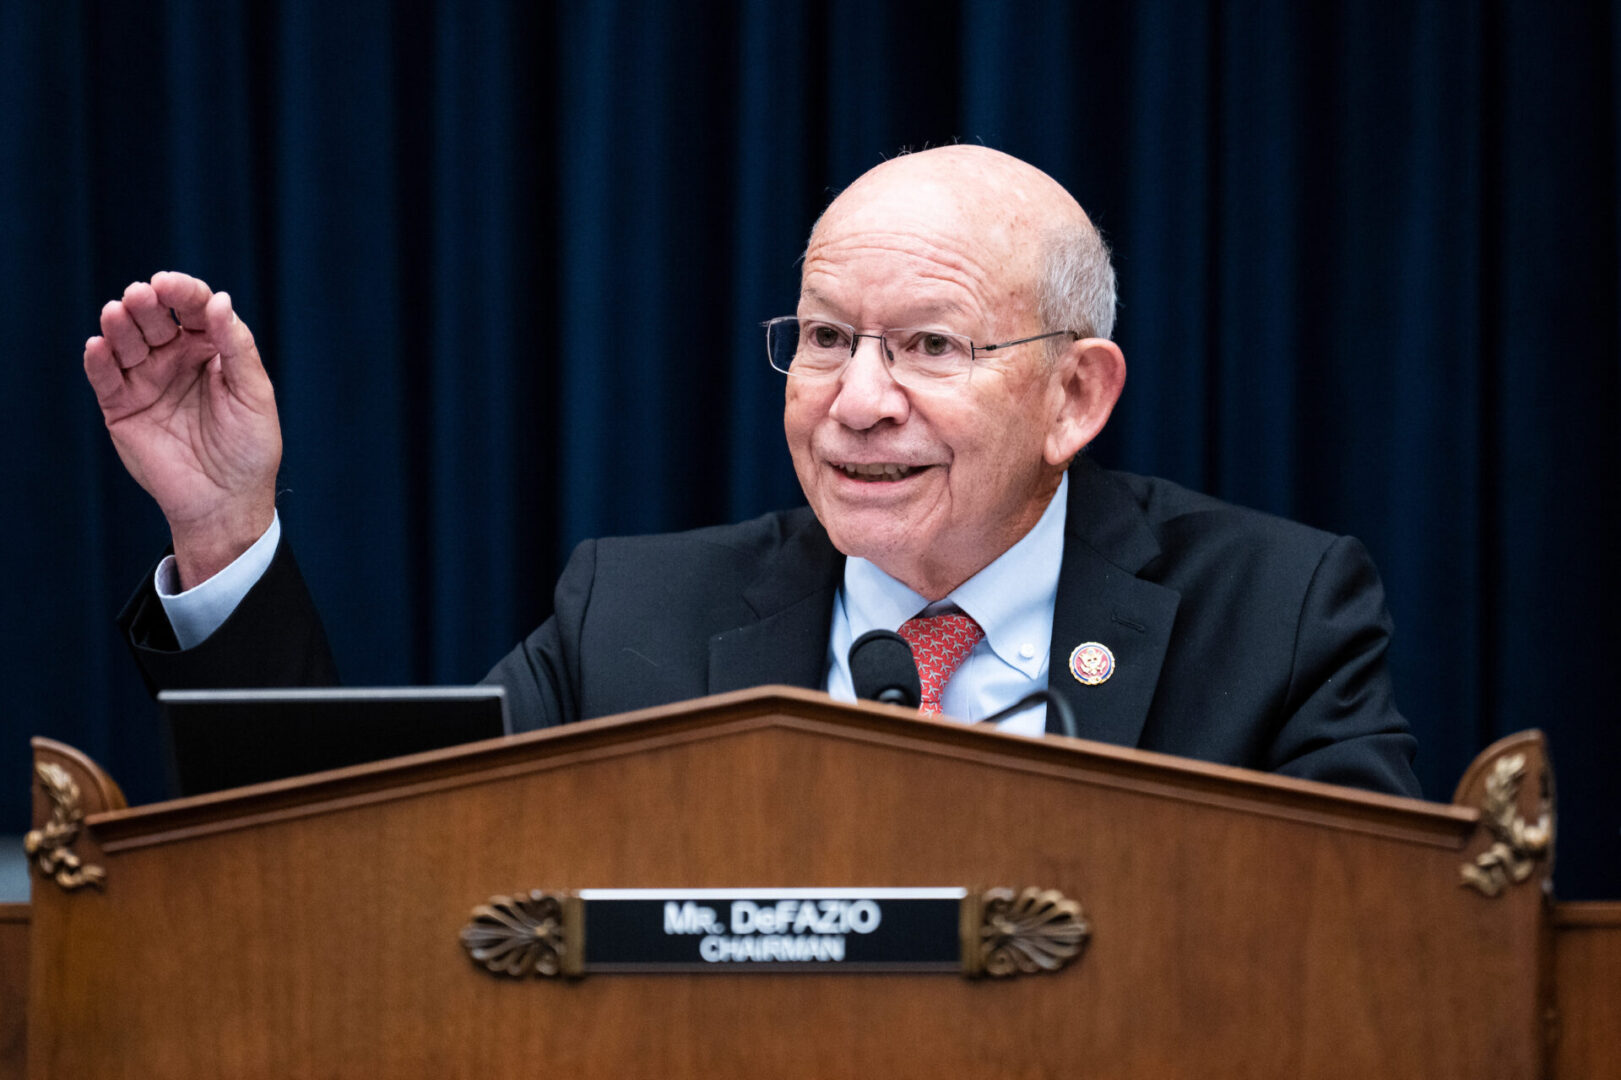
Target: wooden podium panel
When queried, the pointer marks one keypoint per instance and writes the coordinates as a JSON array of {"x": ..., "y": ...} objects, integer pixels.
[
  {"x": 13, "y": 988},
  {"x": 1587, "y": 970},
  {"x": 1243, "y": 925}
]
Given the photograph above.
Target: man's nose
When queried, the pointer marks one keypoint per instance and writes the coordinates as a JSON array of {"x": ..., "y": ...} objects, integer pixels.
[{"x": 868, "y": 392}]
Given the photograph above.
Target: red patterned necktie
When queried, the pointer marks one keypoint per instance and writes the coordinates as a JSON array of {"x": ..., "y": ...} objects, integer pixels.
[{"x": 940, "y": 643}]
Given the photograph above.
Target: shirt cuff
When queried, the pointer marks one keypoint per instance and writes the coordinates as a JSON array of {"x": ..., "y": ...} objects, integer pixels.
[{"x": 198, "y": 612}]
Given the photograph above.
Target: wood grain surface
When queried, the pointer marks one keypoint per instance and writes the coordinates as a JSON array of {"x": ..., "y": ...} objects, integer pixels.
[
  {"x": 1587, "y": 974},
  {"x": 13, "y": 989}
]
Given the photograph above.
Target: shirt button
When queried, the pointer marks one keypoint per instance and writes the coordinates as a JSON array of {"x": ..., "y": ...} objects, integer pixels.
[{"x": 1027, "y": 650}]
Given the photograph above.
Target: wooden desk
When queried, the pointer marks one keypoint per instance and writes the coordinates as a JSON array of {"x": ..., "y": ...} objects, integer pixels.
[{"x": 1274, "y": 927}]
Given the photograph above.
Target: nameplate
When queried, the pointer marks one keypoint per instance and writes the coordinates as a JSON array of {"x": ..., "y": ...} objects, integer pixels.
[
  {"x": 934, "y": 929},
  {"x": 702, "y": 929}
]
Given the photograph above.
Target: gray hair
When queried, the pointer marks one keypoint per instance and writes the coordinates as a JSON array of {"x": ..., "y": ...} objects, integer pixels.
[{"x": 1077, "y": 286}]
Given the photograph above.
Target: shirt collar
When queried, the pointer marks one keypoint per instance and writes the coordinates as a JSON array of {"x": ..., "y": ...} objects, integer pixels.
[{"x": 1012, "y": 599}]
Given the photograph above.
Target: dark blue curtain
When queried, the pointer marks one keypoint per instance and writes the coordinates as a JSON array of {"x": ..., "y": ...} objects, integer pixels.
[{"x": 508, "y": 263}]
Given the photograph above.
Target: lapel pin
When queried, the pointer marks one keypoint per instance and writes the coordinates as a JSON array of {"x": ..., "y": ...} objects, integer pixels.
[{"x": 1091, "y": 663}]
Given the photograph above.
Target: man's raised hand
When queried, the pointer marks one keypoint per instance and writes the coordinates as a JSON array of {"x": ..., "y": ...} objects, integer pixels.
[{"x": 192, "y": 415}]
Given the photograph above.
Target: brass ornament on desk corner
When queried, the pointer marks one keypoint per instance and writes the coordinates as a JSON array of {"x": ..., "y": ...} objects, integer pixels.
[
  {"x": 527, "y": 934},
  {"x": 1027, "y": 932},
  {"x": 1517, "y": 844},
  {"x": 51, "y": 847}
]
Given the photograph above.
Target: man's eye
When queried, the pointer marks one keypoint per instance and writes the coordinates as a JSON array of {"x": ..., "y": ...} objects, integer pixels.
[
  {"x": 823, "y": 336},
  {"x": 928, "y": 345}
]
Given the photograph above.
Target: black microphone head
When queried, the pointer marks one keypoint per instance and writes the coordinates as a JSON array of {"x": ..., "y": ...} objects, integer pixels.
[{"x": 883, "y": 669}]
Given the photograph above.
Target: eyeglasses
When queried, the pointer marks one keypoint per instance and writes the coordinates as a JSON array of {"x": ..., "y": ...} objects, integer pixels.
[{"x": 820, "y": 349}]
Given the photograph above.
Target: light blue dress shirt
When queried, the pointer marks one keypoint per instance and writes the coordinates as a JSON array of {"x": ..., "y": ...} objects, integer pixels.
[{"x": 1012, "y": 599}]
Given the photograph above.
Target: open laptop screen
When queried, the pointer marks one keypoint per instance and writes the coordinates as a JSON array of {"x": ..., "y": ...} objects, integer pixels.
[{"x": 222, "y": 739}]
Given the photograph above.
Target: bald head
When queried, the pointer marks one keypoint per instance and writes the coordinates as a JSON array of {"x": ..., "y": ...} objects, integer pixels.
[{"x": 1005, "y": 214}]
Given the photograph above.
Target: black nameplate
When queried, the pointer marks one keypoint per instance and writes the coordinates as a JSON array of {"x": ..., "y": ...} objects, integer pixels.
[{"x": 887, "y": 929}]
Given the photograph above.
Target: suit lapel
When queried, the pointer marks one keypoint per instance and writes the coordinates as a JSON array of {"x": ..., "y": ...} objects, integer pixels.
[
  {"x": 793, "y": 597},
  {"x": 1100, "y": 598}
]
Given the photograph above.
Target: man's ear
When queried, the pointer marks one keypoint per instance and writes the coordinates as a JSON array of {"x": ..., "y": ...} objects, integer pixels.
[{"x": 1090, "y": 376}]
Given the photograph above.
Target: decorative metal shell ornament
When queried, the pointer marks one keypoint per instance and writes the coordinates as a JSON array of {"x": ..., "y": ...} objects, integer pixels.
[
  {"x": 1032, "y": 931},
  {"x": 517, "y": 935}
]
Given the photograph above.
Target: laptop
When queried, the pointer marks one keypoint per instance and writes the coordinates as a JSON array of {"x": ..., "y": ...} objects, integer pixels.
[{"x": 221, "y": 739}]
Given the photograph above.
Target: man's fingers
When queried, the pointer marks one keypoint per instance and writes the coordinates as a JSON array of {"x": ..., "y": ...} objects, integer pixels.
[
  {"x": 188, "y": 296},
  {"x": 101, "y": 368},
  {"x": 128, "y": 344},
  {"x": 150, "y": 314},
  {"x": 239, "y": 357}
]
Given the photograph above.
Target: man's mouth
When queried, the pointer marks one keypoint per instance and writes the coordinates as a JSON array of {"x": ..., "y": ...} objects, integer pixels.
[{"x": 878, "y": 471}]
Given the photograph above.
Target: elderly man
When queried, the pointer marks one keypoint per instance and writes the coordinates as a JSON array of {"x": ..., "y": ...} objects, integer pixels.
[{"x": 948, "y": 362}]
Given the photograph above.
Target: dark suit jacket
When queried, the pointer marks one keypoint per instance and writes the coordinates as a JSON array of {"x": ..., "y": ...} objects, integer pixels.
[{"x": 1238, "y": 637}]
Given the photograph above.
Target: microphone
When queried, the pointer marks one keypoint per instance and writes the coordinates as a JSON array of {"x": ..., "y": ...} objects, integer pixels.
[
  {"x": 1066, "y": 715},
  {"x": 883, "y": 669}
]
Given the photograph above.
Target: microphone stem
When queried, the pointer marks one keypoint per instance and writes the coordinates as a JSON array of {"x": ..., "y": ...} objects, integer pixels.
[{"x": 1066, "y": 715}]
